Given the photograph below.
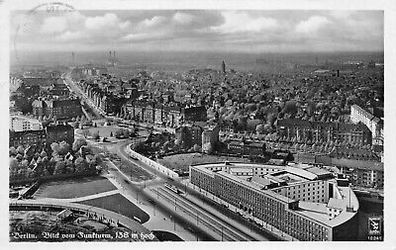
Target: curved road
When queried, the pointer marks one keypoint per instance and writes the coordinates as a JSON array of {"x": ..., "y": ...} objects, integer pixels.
[{"x": 56, "y": 204}]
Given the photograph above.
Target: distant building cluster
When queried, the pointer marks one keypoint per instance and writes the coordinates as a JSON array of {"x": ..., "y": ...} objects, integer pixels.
[
  {"x": 303, "y": 201},
  {"x": 41, "y": 137},
  {"x": 245, "y": 147},
  {"x": 44, "y": 95},
  {"x": 88, "y": 71},
  {"x": 169, "y": 114},
  {"x": 373, "y": 123},
  {"x": 354, "y": 134},
  {"x": 204, "y": 135},
  {"x": 109, "y": 94},
  {"x": 58, "y": 108}
]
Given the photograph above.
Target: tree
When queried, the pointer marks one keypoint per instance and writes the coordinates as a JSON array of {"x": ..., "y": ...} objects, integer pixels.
[
  {"x": 12, "y": 151},
  {"x": 78, "y": 144},
  {"x": 86, "y": 133},
  {"x": 13, "y": 164},
  {"x": 55, "y": 148},
  {"x": 271, "y": 118},
  {"x": 21, "y": 150},
  {"x": 25, "y": 163},
  {"x": 80, "y": 165},
  {"x": 166, "y": 146},
  {"x": 97, "y": 159},
  {"x": 197, "y": 148},
  {"x": 126, "y": 133},
  {"x": 29, "y": 173},
  {"x": 22, "y": 172},
  {"x": 140, "y": 147},
  {"x": 46, "y": 172},
  {"x": 60, "y": 167},
  {"x": 260, "y": 128},
  {"x": 64, "y": 148},
  {"x": 122, "y": 133},
  {"x": 96, "y": 135},
  {"x": 290, "y": 107},
  {"x": 242, "y": 123},
  {"x": 69, "y": 167},
  {"x": 209, "y": 148}
]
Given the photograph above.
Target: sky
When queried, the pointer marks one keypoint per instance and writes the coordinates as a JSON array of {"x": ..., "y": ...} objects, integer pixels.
[{"x": 252, "y": 31}]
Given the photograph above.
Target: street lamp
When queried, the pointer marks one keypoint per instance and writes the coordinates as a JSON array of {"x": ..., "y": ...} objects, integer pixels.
[
  {"x": 197, "y": 218},
  {"x": 174, "y": 224}
]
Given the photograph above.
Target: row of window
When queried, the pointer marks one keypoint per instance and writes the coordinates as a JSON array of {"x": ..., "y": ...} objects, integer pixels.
[{"x": 263, "y": 207}]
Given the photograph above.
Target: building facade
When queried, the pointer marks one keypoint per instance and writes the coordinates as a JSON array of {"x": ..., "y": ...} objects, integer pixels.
[
  {"x": 189, "y": 135},
  {"x": 374, "y": 124},
  {"x": 357, "y": 134},
  {"x": 302, "y": 201},
  {"x": 170, "y": 115},
  {"x": 27, "y": 138},
  {"x": 22, "y": 123},
  {"x": 59, "y": 108},
  {"x": 242, "y": 147},
  {"x": 210, "y": 137}
]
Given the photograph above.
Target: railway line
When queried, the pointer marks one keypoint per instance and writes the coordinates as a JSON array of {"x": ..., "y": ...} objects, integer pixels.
[{"x": 224, "y": 230}]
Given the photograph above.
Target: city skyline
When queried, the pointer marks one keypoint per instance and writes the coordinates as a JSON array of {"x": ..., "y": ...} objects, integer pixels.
[
  {"x": 253, "y": 31},
  {"x": 202, "y": 124}
]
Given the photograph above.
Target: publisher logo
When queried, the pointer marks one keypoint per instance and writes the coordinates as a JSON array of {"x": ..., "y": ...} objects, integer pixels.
[{"x": 375, "y": 228}]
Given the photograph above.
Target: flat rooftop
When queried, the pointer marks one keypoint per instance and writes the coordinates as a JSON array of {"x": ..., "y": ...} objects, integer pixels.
[
  {"x": 346, "y": 199},
  {"x": 316, "y": 211}
]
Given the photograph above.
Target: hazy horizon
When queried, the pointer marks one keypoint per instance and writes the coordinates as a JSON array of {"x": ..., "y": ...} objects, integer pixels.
[{"x": 181, "y": 61}]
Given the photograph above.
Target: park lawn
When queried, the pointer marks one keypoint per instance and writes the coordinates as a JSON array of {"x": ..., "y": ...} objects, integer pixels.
[
  {"x": 134, "y": 172},
  {"x": 104, "y": 131},
  {"x": 183, "y": 161},
  {"x": 75, "y": 188},
  {"x": 118, "y": 204},
  {"x": 130, "y": 169}
]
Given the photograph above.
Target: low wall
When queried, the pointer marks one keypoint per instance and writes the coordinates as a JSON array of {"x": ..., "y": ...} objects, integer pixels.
[
  {"x": 153, "y": 164},
  {"x": 98, "y": 214}
]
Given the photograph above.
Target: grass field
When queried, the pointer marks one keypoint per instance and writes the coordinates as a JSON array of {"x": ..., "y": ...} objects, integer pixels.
[
  {"x": 104, "y": 131},
  {"x": 183, "y": 161},
  {"x": 131, "y": 170},
  {"x": 74, "y": 188},
  {"x": 119, "y": 204}
]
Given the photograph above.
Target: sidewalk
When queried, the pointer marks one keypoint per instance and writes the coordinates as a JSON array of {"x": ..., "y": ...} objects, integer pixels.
[
  {"x": 158, "y": 219},
  {"x": 84, "y": 198}
]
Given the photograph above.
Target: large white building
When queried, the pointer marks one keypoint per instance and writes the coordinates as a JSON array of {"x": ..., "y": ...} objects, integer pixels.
[
  {"x": 303, "y": 201},
  {"x": 23, "y": 123},
  {"x": 374, "y": 124}
]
